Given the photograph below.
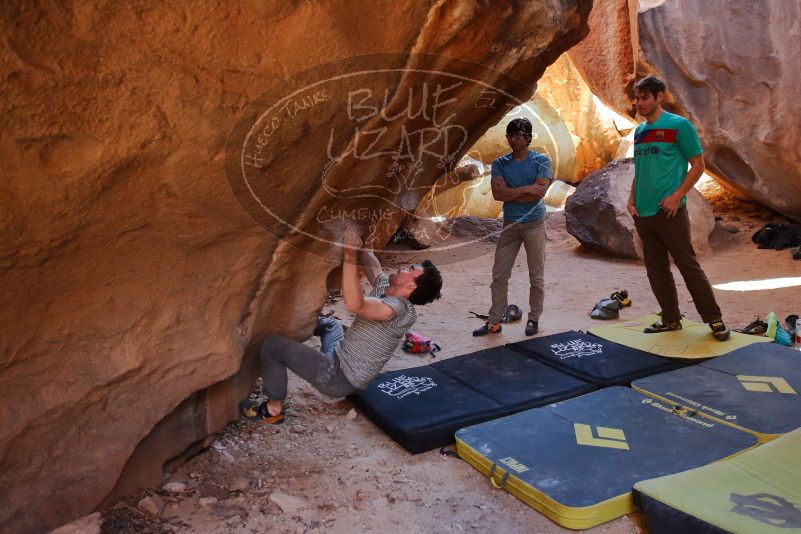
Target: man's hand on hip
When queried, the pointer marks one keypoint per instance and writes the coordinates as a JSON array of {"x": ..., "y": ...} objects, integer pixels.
[
  {"x": 671, "y": 205},
  {"x": 632, "y": 209}
]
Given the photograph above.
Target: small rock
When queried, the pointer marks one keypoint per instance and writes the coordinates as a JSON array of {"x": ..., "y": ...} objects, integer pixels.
[
  {"x": 89, "y": 524},
  {"x": 174, "y": 487},
  {"x": 351, "y": 415},
  {"x": 171, "y": 510},
  {"x": 330, "y": 428},
  {"x": 298, "y": 429},
  {"x": 205, "y": 501},
  {"x": 227, "y": 510},
  {"x": 152, "y": 504},
  {"x": 217, "y": 446},
  {"x": 287, "y": 503},
  {"x": 239, "y": 484},
  {"x": 207, "y": 489}
]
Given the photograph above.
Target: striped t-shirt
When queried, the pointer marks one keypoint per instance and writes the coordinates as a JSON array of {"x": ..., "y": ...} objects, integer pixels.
[{"x": 368, "y": 344}]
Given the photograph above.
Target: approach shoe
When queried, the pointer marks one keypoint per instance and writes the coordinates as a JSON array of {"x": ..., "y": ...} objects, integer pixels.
[
  {"x": 622, "y": 297},
  {"x": 488, "y": 328},
  {"x": 532, "y": 327},
  {"x": 662, "y": 326},
  {"x": 257, "y": 411},
  {"x": 720, "y": 330}
]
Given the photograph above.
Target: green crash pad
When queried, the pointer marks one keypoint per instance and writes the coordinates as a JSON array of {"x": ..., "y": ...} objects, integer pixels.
[
  {"x": 757, "y": 491},
  {"x": 694, "y": 341}
]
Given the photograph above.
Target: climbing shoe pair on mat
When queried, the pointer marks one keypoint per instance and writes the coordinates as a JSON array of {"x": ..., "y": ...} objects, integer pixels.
[{"x": 719, "y": 329}]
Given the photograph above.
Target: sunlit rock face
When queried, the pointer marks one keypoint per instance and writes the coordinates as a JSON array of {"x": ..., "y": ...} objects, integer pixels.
[
  {"x": 596, "y": 130},
  {"x": 578, "y": 132},
  {"x": 733, "y": 67},
  {"x": 596, "y": 213},
  {"x": 574, "y": 129},
  {"x": 471, "y": 196},
  {"x": 136, "y": 288}
]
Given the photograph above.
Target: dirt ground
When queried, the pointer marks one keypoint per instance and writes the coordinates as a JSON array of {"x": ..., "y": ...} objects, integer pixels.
[{"x": 329, "y": 469}]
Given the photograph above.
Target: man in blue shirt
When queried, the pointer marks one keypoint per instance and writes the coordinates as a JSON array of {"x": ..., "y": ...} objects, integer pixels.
[{"x": 520, "y": 180}]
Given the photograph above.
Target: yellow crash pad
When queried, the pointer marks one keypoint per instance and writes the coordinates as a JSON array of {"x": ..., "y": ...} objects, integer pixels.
[{"x": 694, "y": 341}]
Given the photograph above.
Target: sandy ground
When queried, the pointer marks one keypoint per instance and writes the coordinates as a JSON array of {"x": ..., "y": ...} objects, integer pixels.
[{"x": 329, "y": 469}]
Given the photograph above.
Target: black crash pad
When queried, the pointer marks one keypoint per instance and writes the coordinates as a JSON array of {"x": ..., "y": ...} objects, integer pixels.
[
  {"x": 421, "y": 408},
  {"x": 594, "y": 359}
]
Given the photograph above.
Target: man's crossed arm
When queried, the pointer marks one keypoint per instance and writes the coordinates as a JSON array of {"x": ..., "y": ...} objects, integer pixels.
[{"x": 528, "y": 193}]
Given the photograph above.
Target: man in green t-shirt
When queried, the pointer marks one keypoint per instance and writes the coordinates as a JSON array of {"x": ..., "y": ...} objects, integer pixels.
[{"x": 663, "y": 146}]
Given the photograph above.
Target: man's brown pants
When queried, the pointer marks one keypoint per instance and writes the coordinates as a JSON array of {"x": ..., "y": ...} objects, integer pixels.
[{"x": 662, "y": 235}]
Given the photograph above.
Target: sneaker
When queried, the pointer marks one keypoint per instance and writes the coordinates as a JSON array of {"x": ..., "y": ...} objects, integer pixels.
[
  {"x": 532, "y": 327},
  {"x": 257, "y": 411},
  {"x": 488, "y": 328},
  {"x": 662, "y": 326},
  {"x": 720, "y": 330}
]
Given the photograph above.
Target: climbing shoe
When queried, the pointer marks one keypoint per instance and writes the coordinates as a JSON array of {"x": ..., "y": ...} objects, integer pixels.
[
  {"x": 622, "y": 297},
  {"x": 720, "y": 330},
  {"x": 488, "y": 328},
  {"x": 257, "y": 411},
  {"x": 532, "y": 327},
  {"x": 757, "y": 327},
  {"x": 662, "y": 326}
]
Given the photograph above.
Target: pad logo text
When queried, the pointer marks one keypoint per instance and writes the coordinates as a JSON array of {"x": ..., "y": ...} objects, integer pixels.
[
  {"x": 403, "y": 385},
  {"x": 576, "y": 348}
]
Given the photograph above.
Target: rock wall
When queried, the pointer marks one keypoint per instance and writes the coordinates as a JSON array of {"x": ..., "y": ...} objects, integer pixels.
[
  {"x": 136, "y": 288},
  {"x": 733, "y": 68},
  {"x": 579, "y": 134},
  {"x": 607, "y": 57}
]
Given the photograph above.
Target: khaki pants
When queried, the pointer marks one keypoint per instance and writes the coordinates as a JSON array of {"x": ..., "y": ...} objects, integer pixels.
[
  {"x": 532, "y": 236},
  {"x": 662, "y": 236}
]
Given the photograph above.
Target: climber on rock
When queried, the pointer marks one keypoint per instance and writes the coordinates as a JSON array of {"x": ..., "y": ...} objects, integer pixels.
[{"x": 348, "y": 362}]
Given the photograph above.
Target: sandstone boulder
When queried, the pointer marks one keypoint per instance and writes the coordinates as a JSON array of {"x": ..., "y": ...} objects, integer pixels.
[
  {"x": 135, "y": 286},
  {"x": 596, "y": 213},
  {"x": 732, "y": 67}
]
